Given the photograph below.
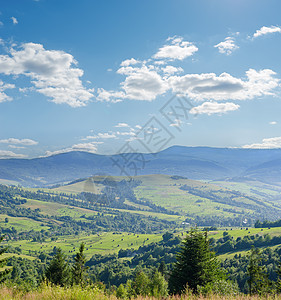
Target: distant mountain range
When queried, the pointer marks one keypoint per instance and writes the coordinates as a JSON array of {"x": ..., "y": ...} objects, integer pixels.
[{"x": 200, "y": 163}]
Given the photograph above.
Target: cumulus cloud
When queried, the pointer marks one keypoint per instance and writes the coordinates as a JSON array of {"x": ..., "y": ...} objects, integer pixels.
[
  {"x": 176, "y": 49},
  {"x": 14, "y": 20},
  {"x": 144, "y": 84},
  {"x": 52, "y": 72},
  {"x": 85, "y": 147},
  {"x": 225, "y": 87},
  {"x": 269, "y": 143},
  {"x": 227, "y": 46},
  {"x": 10, "y": 154},
  {"x": 141, "y": 83},
  {"x": 210, "y": 108},
  {"x": 266, "y": 30},
  {"x": 146, "y": 80},
  {"x": 24, "y": 142},
  {"x": 273, "y": 123}
]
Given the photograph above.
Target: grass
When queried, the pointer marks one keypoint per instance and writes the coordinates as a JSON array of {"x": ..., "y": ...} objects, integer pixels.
[
  {"x": 164, "y": 191},
  {"x": 77, "y": 293},
  {"x": 89, "y": 185},
  {"x": 22, "y": 224},
  {"x": 252, "y": 188},
  {"x": 237, "y": 232},
  {"x": 160, "y": 216},
  {"x": 104, "y": 243},
  {"x": 8, "y": 255}
]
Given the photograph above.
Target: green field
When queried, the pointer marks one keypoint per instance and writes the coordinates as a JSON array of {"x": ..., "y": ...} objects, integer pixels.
[
  {"x": 237, "y": 232},
  {"x": 164, "y": 191},
  {"x": 103, "y": 243},
  {"x": 254, "y": 188},
  {"x": 22, "y": 224}
]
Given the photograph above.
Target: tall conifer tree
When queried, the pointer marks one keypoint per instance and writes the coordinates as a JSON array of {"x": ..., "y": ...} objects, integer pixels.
[
  {"x": 58, "y": 269},
  {"x": 196, "y": 264},
  {"x": 79, "y": 269}
]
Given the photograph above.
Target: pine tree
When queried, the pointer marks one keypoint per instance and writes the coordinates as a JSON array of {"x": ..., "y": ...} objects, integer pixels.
[
  {"x": 58, "y": 269},
  {"x": 196, "y": 264},
  {"x": 3, "y": 261},
  {"x": 258, "y": 280},
  {"x": 79, "y": 269}
]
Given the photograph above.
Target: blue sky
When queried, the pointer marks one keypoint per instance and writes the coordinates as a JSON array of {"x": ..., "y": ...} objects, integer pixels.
[{"x": 106, "y": 76}]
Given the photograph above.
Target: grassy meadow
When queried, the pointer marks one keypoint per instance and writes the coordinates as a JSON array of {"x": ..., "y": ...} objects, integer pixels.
[{"x": 77, "y": 293}]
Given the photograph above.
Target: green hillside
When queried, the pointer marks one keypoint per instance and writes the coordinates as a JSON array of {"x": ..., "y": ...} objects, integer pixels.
[{"x": 140, "y": 209}]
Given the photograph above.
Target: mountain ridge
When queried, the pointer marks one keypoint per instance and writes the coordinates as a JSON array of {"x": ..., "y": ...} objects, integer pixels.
[{"x": 199, "y": 163}]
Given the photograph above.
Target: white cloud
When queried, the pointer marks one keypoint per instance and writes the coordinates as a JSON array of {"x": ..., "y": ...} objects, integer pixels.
[
  {"x": 177, "y": 123},
  {"x": 143, "y": 84},
  {"x": 9, "y": 154},
  {"x": 266, "y": 30},
  {"x": 125, "y": 133},
  {"x": 159, "y": 62},
  {"x": 51, "y": 71},
  {"x": 16, "y": 147},
  {"x": 210, "y": 108},
  {"x": 170, "y": 70},
  {"x": 85, "y": 147},
  {"x": 105, "y": 135},
  {"x": 129, "y": 62},
  {"x": 13, "y": 141},
  {"x": 225, "y": 87},
  {"x": 227, "y": 46},
  {"x": 26, "y": 89},
  {"x": 119, "y": 125},
  {"x": 273, "y": 123},
  {"x": 104, "y": 95},
  {"x": 3, "y": 87},
  {"x": 176, "y": 49},
  {"x": 146, "y": 80},
  {"x": 269, "y": 143},
  {"x": 14, "y": 20}
]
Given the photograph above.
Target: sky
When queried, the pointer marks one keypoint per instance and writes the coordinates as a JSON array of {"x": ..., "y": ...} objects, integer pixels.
[{"x": 138, "y": 76}]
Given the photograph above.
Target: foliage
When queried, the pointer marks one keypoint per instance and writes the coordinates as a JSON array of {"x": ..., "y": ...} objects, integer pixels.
[
  {"x": 258, "y": 279},
  {"x": 79, "y": 269},
  {"x": 3, "y": 261},
  {"x": 196, "y": 264},
  {"x": 58, "y": 270},
  {"x": 220, "y": 287}
]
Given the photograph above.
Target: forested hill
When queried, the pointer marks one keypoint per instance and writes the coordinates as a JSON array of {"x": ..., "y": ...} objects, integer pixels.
[{"x": 193, "y": 162}]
